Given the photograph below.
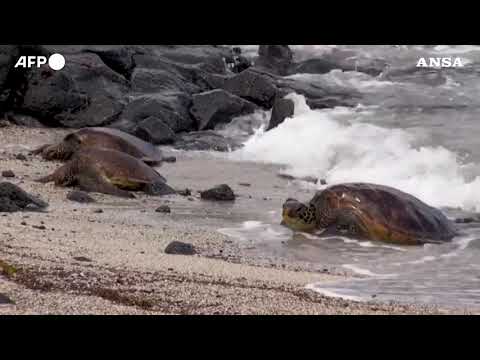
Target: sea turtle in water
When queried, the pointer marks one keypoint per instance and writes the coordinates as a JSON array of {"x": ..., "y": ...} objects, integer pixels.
[
  {"x": 101, "y": 137},
  {"x": 369, "y": 211},
  {"x": 109, "y": 172}
]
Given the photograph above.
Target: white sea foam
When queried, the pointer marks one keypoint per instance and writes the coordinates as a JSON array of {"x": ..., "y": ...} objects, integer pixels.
[{"x": 320, "y": 143}]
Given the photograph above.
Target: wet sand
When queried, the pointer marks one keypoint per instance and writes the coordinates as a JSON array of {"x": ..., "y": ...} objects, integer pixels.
[{"x": 71, "y": 259}]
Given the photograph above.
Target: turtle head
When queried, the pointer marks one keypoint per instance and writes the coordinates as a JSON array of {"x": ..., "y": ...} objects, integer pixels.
[
  {"x": 64, "y": 150},
  {"x": 298, "y": 216}
]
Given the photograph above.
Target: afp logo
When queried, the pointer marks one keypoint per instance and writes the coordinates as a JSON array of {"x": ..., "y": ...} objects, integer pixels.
[{"x": 55, "y": 61}]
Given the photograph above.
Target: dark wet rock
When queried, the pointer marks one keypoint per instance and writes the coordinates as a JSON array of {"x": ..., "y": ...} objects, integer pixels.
[
  {"x": 158, "y": 80},
  {"x": 253, "y": 86},
  {"x": 323, "y": 182},
  {"x": 163, "y": 209},
  {"x": 119, "y": 58},
  {"x": 80, "y": 196},
  {"x": 4, "y": 123},
  {"x": 171, "y": 108},
  {"x": 85, "y": 93},
  {"x": 221, "y": 192},
  {"x": 25, "y": 120},
  {"x": 98, "y": 211},
  {"x": 276, "y": 59},
  {"x": 282, "y": 109},
  {"x": 319, "y": 94},
  {"x": 205, "y": 141},
  {"x": 8, "y": 174},
  {"x": 5, "y": 300},
  {"x": 169, "y": 159},
  {"x": 180, "y": 248},
  {"x": 236, "y": 62},
  {"x": 344, "y": 60},
  {"x": 218, "y": 107},
  {"x": 13, "y": 198},
  {"x": 39, "y": 227},
  {"x": 82, "y": 258},
  {"x": 155, "y": 130},
  {"x": 244, "y": 184},
  {"x": 20, "y": 157},
  {"x": 8, "y": 56},
  {"x": 185, "y": 192}
]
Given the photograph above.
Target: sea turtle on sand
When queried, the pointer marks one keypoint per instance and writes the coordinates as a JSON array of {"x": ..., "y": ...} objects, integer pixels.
[
  {"x": 101, "y": 137},
  {"x": 109, "y": 172},
  {"x": 369, "y": 211}
]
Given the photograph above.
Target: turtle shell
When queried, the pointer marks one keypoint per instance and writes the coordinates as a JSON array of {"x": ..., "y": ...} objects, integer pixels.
[
  {"x": 121, "y": 141},
  {"x": 384, "y": 213}
]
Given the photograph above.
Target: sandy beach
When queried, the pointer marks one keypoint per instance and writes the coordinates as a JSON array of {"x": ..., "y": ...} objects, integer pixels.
[{"x": 74, "y": 259}]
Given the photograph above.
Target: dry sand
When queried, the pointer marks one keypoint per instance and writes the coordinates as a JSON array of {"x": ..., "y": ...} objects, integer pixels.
[{"x": 73, "y": 260}]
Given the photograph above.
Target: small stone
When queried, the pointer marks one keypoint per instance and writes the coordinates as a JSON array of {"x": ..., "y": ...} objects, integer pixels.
[
  {"x": 23, "y": 223},
  {"x": 221, "y": 192},
  {"x": 4, "y": 300},
  {"x": 180, "y": 248},
  {"x": 244, "y": 184},
  {"x": 8, "y": 174},
  {"x": 170, "y": 159},
  {"x": 191, "y": 199},
  {"x": 39, "y": 227},
  {"x": 82, "y": 258},
  {"x": 163, "y": 209},
  {"x": 323, "y": 182},
  {"x": 79, "y": 196},
  {"x": 98, "y": 211},
  {"x": 186, "y": 192},
  {"x": 20, "y": 157}
]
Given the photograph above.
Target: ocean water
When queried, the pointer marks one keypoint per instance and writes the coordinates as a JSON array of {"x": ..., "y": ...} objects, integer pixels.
[{"x": 419, "y": 136}]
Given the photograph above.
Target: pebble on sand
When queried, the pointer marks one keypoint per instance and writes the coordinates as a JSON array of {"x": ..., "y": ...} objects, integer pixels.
[
  {"x": 163, "y": 209},
  {"x": 8, "y": 174},
  {"x": 221, "y": 192},
  {"x": 180, "y": 248}
]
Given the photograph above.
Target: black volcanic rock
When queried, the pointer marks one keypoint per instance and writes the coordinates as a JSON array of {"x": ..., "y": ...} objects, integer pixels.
[
  {"x": 154, "y": 130},
  {"x": 253, "y": 86},
  {"x": 221, "y": 192},
  {"x": 218, "y": 106},
  {"x": 276, "y": 59},
  {"x": 282, "y": 109},
  {"x": 13, "y": 198},
  {"x": 180, "y": 248}
]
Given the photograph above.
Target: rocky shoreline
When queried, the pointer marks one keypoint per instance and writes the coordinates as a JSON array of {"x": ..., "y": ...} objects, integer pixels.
[{"x": 106, "y": 255}]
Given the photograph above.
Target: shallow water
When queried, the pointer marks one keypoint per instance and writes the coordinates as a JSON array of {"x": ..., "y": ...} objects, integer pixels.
[{"x": 407, "y": 133}]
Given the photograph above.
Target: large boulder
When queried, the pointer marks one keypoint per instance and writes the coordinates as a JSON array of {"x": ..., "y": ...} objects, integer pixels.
[
  {"x": 8, "y": 56},
  {"x": 84, "y": 93},
  {"x": 157, "y": 80},
  {"x": 345, "y": 60},
  {"x": 218, "y": 106},
  {"x": 276, "y": 59},
  {"x": 282, "y": 109},
  {"x": 13, "y": 198},
  {"x": 253, "y": 86},
  {"x": 172, "y": 108},
  {"x": 154, "y": 130}
]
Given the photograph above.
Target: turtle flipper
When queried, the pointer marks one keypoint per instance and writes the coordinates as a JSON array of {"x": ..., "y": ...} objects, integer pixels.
[
  {"x": 158, "y": 189},
  {"x": 149, "y": 161},
  {"x": 40, "y": 149},
  {"x": 96, "y": 183}
]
